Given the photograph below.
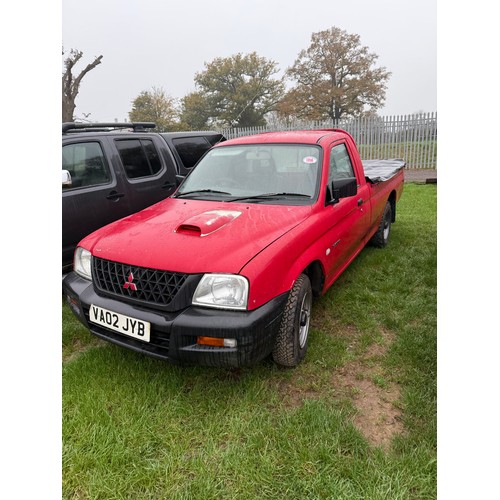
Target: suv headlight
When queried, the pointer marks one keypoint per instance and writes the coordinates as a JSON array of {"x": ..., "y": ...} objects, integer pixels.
[
  {"x": 224, "y": 291},
  {"x": 82, "y": 263}
]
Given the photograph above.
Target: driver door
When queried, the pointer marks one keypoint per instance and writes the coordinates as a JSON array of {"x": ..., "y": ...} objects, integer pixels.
[{"x": 349, "y": 217}]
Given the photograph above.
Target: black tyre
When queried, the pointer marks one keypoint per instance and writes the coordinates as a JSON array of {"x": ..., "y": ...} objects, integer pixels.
[
  {"x": 291, "y": 342},
  {"x": 381, "y": 237}
]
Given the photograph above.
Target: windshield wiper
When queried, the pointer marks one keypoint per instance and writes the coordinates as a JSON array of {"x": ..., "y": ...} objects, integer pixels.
[
  {"x": 196, "y": 191},
  {"x": 269, "y": 196}
]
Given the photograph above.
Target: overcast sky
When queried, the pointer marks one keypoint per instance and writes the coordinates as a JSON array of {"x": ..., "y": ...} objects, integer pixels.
[{"x": 164, "y": 44}]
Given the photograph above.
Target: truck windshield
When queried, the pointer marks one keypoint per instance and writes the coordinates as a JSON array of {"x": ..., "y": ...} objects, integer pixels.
[{"x": 256, "y": 173}]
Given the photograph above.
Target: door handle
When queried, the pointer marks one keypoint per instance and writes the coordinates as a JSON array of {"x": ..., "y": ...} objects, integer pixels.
[
  {"x": 115, "y": 196},
  {"x": 360, "y": 202},
  {"x": 168, "y": 185}
]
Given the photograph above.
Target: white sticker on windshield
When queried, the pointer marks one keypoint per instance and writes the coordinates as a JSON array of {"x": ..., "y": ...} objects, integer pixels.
[{"x": 310, "y": 159}]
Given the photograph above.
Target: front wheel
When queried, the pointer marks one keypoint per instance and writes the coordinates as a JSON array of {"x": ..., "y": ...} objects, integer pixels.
[
  {"x": 381, "y": 237},
  {"x": 291, "y": 342}
]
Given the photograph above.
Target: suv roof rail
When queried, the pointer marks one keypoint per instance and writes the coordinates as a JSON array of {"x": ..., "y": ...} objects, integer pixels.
[{"x": 105, "y": 127}]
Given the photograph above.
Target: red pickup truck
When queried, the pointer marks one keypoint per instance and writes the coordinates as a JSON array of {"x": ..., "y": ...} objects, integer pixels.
[{"x": 223, "y": 272}]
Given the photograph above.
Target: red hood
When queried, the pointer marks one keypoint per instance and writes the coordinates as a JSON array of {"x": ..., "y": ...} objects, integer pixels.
[{"x": 193, "y": 236}]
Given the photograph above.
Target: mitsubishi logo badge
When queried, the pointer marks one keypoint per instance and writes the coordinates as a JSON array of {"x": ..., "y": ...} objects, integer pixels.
[{"x": 129, "y": 283}]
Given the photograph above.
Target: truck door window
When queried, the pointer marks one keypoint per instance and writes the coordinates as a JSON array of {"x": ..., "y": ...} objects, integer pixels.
[
  {"x": 86, "y": 163},
  {"x": 340, "y": 164},
  {"x": 191, "y": 149},
  {"x": 139, "y": 157}
]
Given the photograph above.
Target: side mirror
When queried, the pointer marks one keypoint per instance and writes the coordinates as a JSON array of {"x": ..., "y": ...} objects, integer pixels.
[
  {"x": 66, "y": 179},
  {"x": 341, "y": 188}
]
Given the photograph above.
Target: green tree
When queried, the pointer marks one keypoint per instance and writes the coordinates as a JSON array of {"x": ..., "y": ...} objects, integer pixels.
[
  {"x": 240, "y": 90},
  {"x": 335, "y": 77},
  {"x": 195, "y": 113},
  {"x": 71, "y": 83},
  {"x": 155, "y": 106}
]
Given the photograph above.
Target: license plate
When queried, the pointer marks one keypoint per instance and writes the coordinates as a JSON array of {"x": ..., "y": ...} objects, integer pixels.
[{"x": 120, "y": 323}]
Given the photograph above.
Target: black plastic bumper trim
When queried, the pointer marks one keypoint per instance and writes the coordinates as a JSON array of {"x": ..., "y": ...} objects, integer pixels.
[{"x": 173, "y": 335}]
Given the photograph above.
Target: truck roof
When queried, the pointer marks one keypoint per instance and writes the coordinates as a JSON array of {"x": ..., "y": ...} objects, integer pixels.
[{"x": 293, "y": 136}]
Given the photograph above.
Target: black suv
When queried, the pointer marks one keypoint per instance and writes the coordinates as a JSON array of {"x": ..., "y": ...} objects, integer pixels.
[{"x": 111, "y": 170}]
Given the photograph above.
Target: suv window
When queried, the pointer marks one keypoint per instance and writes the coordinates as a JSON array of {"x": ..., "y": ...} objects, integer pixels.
[
  {"x": 139, "y": 157},
  {"x": 86, "y": 163},
  {"x": 191, "y": 149},
  {"x": 340, "y": 164}
]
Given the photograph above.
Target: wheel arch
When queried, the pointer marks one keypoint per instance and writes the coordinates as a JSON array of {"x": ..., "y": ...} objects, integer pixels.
[{"x": 316, "y": 275}]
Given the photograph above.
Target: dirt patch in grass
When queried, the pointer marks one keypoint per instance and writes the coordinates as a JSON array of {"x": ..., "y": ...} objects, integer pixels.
[
  {"x": 294, "y": 392},
  {"x": 373, "y": 393},
  {"x": 363, "y": 380},
  {"x": 77, "y": 348}
]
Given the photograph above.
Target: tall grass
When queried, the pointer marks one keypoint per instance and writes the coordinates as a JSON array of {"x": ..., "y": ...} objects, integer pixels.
[{"x": 134, "y": 427}]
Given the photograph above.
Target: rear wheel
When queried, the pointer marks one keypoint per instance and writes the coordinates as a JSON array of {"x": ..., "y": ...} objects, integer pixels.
[
  {"x": 291, "y": 342},
  {"x": 381, "y": 237}
]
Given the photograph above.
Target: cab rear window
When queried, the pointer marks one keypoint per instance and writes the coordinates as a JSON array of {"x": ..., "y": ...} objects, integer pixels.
[{"x": 191, "y": 149}]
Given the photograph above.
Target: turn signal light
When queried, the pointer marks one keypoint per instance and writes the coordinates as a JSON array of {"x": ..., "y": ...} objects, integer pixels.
[{"x": 216, "y": 342}]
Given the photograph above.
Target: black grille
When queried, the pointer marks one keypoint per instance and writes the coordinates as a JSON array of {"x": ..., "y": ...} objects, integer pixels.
[{"x": 151, "y": 286}]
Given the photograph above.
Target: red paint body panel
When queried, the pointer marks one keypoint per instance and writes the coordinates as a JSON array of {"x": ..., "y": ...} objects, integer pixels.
[
  {"x": 151, "y": 238},
  {"x": 275, "y": 270},
  {"x": 270, "y": 244}
]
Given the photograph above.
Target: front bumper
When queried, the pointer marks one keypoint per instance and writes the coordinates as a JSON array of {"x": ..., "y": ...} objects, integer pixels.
[{"x": 174, "y": 334}]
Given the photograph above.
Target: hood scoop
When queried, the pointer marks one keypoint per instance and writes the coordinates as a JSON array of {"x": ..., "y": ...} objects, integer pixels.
[{"x": 207, "y": 222}]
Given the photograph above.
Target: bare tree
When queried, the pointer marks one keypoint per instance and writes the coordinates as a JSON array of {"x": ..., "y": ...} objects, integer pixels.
[{"x": 71, "y": 84}]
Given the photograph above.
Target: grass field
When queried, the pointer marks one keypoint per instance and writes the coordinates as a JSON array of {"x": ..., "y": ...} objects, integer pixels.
[{"x": 356, "y": 420}]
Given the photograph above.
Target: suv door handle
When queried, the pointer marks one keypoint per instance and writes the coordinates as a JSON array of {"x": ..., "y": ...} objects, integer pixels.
[
  {"x": 168, "y": 185},
  {"x": 115, "y": 196},
  {"x": 360, "y": 202}
]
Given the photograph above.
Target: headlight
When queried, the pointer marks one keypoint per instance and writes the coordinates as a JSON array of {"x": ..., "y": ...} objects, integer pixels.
[
  {"x": 225, "y": 291},
  {"x": 81, "y": 265}
]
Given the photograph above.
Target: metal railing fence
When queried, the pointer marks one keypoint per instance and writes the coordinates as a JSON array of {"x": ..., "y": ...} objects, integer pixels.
[{"x": 409, "y": 137}]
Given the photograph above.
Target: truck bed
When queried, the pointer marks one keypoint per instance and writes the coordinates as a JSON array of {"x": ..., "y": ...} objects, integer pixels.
[{"x": 382, "y": 170}]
